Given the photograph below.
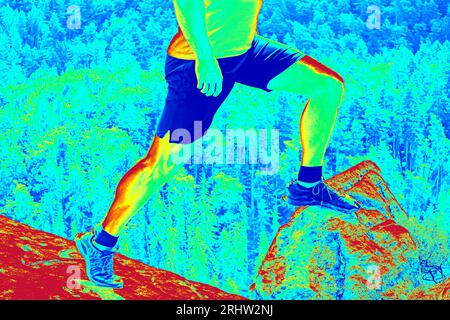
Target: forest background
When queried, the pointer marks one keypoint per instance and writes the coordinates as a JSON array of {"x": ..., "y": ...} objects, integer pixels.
[{"x": 79, "y": 105}]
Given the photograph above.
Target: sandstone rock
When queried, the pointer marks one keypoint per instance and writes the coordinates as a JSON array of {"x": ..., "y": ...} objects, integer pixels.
[
  {"x": 39, "y": 265},
  {"x": 323, "y": 254}
]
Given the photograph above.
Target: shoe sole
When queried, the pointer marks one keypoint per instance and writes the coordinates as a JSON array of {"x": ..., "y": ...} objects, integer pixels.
[
  {"x": 82, "y": 250},
  {"x": 327, "y": 205}
]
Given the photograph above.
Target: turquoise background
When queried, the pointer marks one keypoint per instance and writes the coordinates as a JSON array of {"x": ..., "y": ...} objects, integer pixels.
[{"x": 78, "y": 107}]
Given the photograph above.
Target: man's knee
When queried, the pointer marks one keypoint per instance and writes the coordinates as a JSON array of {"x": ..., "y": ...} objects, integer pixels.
[
  {"x": 331, "y": 88},
  {"x": 156, "y": 168},
  {"x": 329, "y": 83},
  {"x": 160, "y": 156},
  {"x": 336, "y": 85}
]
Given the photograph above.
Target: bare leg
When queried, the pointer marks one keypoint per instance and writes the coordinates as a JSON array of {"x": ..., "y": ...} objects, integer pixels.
[
  {"x": 325, "y": 89},
  {"x": 140, "y": 183}
]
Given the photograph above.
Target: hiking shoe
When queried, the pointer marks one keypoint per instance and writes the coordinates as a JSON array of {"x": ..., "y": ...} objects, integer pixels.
[
  {"x": 99, "y": 263},
  {"x": 320, "y": 195}
]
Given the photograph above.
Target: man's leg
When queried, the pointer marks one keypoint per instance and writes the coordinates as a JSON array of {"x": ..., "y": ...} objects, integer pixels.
[
  {"x": 133, "y": 191},
  {"x": 140, "y": 183},
  {"x": 325, "y": 90}
]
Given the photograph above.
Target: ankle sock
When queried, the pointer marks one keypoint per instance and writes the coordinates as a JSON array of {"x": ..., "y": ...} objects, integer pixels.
[
  {"x": 309, "y": 176},
  {"x": 106, "y": 239},
  {"x": 307, "y": 184}
]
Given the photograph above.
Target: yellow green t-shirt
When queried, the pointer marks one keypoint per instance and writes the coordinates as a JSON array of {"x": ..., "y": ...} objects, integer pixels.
[{"x": 231, "y": 27}]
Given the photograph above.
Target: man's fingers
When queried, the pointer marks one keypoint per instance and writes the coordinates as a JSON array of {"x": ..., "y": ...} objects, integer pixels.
[
  {"x": 205, "y": 88},
  {"x": 218, "y": 89},
  {"x": 200, "y": 84},
  {"x": 208, "y": 89},
  {"x": 211, "y": 88}
]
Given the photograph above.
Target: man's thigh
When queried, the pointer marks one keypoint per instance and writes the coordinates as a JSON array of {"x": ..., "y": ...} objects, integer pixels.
[
  {"x": 306, "y": 76},
  {"x": 265, "y": 60},
  {"x": 271, "y": 65}
]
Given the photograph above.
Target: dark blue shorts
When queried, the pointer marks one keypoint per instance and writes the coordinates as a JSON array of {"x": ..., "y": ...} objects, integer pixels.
[{"x": 188, "y": 113}]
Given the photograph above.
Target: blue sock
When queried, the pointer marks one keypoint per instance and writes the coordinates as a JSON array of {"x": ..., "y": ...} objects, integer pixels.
[
  {"x": 309, "y": 176},
  {"x": 105, "y": 239}
]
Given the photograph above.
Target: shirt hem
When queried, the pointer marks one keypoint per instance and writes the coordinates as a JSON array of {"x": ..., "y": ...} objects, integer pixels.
[{"x": 191, "y": 56}]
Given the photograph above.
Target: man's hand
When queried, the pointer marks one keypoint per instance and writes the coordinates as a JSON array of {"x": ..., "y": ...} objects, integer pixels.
[
  {"x": 191, "y": 19},
  {"x": 209, "y": 76}
]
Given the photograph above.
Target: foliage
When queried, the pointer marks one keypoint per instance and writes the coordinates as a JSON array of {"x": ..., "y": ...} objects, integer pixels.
[{"x": 78, "y": 107}]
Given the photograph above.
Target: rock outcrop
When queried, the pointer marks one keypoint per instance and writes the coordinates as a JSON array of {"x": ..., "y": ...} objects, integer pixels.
[
  {"x": 318, "y": 254},
  {"x": 323, "y": 254},
  {"x": 40, "y": 265}
]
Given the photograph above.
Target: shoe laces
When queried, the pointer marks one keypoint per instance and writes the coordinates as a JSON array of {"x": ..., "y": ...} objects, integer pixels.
[
  {"x": 320, "y": 188},
  {"x": 104, "y": 262}
]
